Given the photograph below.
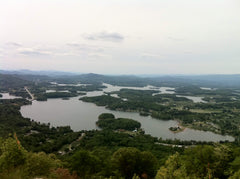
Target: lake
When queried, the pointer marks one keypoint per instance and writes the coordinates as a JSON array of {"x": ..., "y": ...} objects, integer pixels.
[
  {"x": 195, "y": 99},
  {"x": 8, "y": 96},
  {"x": 83, "y": 116}
]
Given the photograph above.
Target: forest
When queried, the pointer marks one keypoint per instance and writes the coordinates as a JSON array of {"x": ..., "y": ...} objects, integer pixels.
[
  {"x": 30, "y": 149},
  {"x": 108, "y": 121},
  {"x": 222, "y": 110}
]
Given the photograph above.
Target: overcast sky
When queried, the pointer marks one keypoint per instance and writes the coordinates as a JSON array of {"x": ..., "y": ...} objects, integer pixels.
[{"x": 121, "y": 36}]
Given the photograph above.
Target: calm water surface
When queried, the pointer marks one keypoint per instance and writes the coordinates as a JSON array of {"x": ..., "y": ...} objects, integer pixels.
[
  {"x": 195, "y": 99},
  {"x": 83, "y": 116},
  {"x": 8, "y": 96}
]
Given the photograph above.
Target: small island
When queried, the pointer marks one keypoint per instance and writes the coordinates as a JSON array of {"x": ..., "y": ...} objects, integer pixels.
[
  {"x": 142, "y": 113},
  {"x": 63, "y": 95},
  {"x": 60, "y": 95},
  {"x": 65, "y": 98},
  {"x": 177, "y": 129},
  {"x": 108, "y": 121}
]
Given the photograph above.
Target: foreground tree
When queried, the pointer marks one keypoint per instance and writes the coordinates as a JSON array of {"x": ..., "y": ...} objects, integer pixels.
[
  {"x": 16, "y": 162},
  {"x": 40, "y": 164},
  {"x": 130, "y": 161},
  {"x": 84, "y": 163},
  {"x": 12, "y": 154},
  {"x": 200, "y": 162}
]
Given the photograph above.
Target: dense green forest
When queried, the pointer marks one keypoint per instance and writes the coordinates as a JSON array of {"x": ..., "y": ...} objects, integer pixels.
[
  {"x": 220, "y": 115},
  {"x": 29, "y": 149},
  {"x": 108, "y": 121}
]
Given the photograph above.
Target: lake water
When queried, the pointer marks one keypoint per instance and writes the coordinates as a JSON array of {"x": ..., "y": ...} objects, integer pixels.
[
  {"x": 195, "y": 99},
  {"x": 52, "y": 91},
  {"x": 8, "y": 96},
  {"x": 83, "y": 116},
  {"x": 159, "y": 90}
]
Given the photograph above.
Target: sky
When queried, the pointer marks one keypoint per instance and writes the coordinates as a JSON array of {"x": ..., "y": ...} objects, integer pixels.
[{"x": 121, "y": 36}]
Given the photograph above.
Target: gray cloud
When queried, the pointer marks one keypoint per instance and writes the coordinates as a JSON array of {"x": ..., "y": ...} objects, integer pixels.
[
  {"x": 68, "y": 49},
  {"x": 74, "y": 44},
  {"x": 85, "y": 47},
  {"x": 32, "y": 52},
  {"x": 13, "y": 44},
  {"x": 188, "y": 52},
  {"x": 89, "y": 51},
  {"x": 105, "y": 36},
  {"x": 150, "y": 55},
  {"x": 99, "y": 55}
]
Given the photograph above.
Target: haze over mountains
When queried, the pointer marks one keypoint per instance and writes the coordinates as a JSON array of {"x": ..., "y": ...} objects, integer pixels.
[{"x": 208, "y": 80}]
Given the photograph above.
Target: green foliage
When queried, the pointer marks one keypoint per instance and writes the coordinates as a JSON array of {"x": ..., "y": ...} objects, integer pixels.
[
  {"x": 16, "y": 162},
  {"x": 15, "y": 173},
  {"x": 148, "y": 164},
  {"x": 102, "y": 100},
  {"x": 219, "y": 116},
  {"x": 130, "y": 161},
  {"x": 199, "y": 162},
  {"x": 11, "y": 120},
  {"x": 60, "y": 94},
  {"x": 171, "y": 169},
  {"x": 198, "y": 159},
  {"x": 235, "y": 164},
  {"x": 126, "y": 161},
  {"x": 12, "y": 154},
  {"x": 107, "y": 121},
  {"x": 106, "y": 116},
  {"x": 84, "y": 163},
  {"x": 40, "y": 164},
  {"x": 15, "y": 102},
  {"x": 236, "y": 175},
  {"x": 112, "y": 141},
  {"x": 113, "y": 154}
]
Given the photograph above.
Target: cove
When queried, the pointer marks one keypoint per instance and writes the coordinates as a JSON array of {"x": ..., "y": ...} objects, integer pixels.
[{"x": 82, "y": 116}]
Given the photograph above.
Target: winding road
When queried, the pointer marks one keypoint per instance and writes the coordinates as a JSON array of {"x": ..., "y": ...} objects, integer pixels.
[{"x": 32, "y": 97}]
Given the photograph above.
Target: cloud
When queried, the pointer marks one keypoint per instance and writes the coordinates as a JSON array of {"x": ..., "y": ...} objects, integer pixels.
[
  {"x": 13, "y": 44},
  {"x": 32, "y": 52},
  {"x": 87, "y": 51},
  {"x": 74, "y": 45},
  {"x": 99, "y": 55},
  {"x": 85, "y": 47},
  {"x": 1, "y": 52},
  {"x": 66, "y": 50},
  {"x": 105, "y": 36},
  {"x": 188, "y": 52},
  {"x": 175, "y": 39},
  {"x": 150, "y": 55}
]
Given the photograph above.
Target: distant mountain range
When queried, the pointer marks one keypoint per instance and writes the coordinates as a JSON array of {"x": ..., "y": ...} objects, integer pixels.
[{"x": 215, "y": 80}]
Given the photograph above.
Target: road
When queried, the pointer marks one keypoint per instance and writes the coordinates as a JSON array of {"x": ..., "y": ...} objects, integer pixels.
[
  {"x": 32, "y": 97},
  {"x": 175, "y": 145}
]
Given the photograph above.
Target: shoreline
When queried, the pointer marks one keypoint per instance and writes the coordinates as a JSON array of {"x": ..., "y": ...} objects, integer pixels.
[{"x": 179, "y": 127}]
